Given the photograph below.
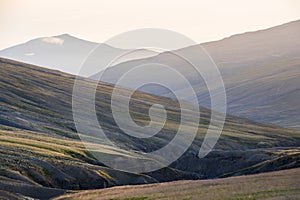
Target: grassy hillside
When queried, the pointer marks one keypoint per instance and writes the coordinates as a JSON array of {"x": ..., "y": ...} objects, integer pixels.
[
  {"x": 41, "y": 155},
  {"x": 275, "y": 185},
  {"x": 33, "y": 163}
]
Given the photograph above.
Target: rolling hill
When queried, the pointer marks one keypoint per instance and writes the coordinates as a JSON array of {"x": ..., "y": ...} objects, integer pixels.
[{"x": 42, "y": 156}]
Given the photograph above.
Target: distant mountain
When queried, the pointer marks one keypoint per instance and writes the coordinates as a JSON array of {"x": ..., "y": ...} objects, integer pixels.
[
  {"x": 42, "y": 156},
  {"x": 260, "y": 69},
  {"x": 65, "y": 53}
]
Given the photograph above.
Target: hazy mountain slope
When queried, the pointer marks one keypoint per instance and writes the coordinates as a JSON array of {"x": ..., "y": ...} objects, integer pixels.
[
  {"x": 65, "y": 52},
  {"x": 261, "y": 73},
  {"x": 253, "y": 49},
  {"x": 39, "y": 146}
]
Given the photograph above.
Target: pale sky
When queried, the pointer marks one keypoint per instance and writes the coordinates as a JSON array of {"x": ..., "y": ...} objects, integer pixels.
[{"x": 97, "y": 21}]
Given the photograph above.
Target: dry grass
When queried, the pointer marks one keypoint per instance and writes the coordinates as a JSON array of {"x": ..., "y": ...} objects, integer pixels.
[{"x": 276, "y": 185}]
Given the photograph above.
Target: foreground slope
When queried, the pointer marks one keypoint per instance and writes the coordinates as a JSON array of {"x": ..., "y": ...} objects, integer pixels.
[
  {"x": 41, "y": 166},
  {"x": 276, "y": 185},
  {"x": 40, "y": 149}
]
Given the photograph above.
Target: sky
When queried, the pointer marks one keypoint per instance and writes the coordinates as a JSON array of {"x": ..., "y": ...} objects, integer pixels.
[{"x": 97, "y": 21}]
